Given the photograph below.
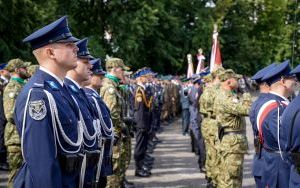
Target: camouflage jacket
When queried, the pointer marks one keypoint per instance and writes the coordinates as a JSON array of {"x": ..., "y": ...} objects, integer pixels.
[
  {"x": 229, "y": 110},
  {"x": 114, "y": 101},
  {"x": 10, "y": 94},
  {"x": 207, "y": 100}
]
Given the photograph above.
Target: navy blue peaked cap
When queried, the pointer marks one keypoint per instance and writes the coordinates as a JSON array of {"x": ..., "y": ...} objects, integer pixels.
[
  {"x": 143, "y": 72},
  {"x": 57, "y": 31},
  {"x": 83, "y": 51},
  {"x": 276, "y": 73},
  {"x": 197, "y": 80},
  {"x": 97, "y": 68},
  {"x": 2, "y": 66},
  {"x": 261, "y": 73},
  {"x": 296, "y": 72}
]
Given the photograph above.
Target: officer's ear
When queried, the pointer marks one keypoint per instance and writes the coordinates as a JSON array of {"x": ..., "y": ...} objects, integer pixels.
[
  {"x": 49, "y": 52},
  {"x": 228, "y": 82},
  {"x": 282, "y": 81},
  {"x": 17, "y": 70}
]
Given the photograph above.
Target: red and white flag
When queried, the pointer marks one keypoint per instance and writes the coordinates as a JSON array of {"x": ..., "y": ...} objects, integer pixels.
[{"x": 215, "y": 58}]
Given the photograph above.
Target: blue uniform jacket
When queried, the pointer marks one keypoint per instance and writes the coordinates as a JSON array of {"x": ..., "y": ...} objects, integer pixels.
[
  {"x": 106, "y": 168},
  {"x": 257, "y": 168},
  {"x": 40, "y": 146},
  {"x": 276, "y": 166},
  {"x": 290, "y": 122},
  {"x": 89, "y": 117}
]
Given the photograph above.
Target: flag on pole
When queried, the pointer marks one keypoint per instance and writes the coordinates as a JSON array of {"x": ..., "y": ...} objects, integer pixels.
[
  {"x": 215, "y": 58},
  {"x": 201, "y": 58},
  {"x": 190, "y": 70}
]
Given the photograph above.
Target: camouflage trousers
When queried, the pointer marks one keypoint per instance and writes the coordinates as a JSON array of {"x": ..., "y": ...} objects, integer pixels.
[
  {"x": 232, "y": 150},
  {"x": 209, "y": 132},
  {"x": 125, "y": 156},
  {"x": 114, "y": 180},
  {"x": 15, "y": 159},
  {"x": 14, "y": 154}
]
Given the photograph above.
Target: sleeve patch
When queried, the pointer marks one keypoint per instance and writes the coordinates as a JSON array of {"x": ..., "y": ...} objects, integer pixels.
[{"x": 37, "y": 109}]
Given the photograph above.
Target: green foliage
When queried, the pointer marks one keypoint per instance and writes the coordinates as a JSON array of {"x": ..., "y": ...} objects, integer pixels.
[{"x": 159, "y": 34}]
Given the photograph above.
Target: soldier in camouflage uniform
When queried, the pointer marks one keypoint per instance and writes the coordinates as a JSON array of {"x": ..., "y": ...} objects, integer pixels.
[
  {"x": 111, "y": 96},
  {"x": 4, "y": 79},
  {"x": 232, "y": 132},
  {"x": 209, "y": 126},
  {"x": 32, "y": 69},
  {"x": 11, "y": 137},
  {"x": 165, "y": 106},
  {"x": 127, "y": 129}
]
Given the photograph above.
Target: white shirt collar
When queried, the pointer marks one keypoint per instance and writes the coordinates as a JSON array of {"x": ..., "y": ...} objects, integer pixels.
[
  {"x": 284, "y": 98},
  {"x": 52, "y": 74},
  {"x": 74, "y": 82}
]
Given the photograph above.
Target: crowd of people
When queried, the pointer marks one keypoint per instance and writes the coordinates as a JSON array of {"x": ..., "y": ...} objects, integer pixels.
[
  {"x": 213, "y": 111},
  {"x": 68, "y": 123},
  {"x": 213, "y": 114}
]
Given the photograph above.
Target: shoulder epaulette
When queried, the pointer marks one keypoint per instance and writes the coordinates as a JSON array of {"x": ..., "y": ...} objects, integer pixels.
[
  {"x": 37, "y": 85},
  {"x": 73, "y": 88},
  {"x": 52, "y": 85}
]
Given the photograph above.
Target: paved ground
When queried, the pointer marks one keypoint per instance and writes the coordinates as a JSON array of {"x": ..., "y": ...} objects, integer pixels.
[{"x": 175, "y": 166}]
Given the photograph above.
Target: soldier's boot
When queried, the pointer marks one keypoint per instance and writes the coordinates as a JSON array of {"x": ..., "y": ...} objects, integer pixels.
[
  {"x": 141, "y": 171},
  {"x": 127, "y": 184},
  {"x": 209, "y": 183}
]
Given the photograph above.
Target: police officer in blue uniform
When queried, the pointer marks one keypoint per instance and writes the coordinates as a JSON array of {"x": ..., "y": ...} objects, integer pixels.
[
  {"x": 46, "y": 116},
  {"x": 257, "y": 168},
  {"x": 104, "y": 166},
  {"x": 157, "y": 107},
  {"x": 195, "y": 121},
  {"x": 290, "y": 122},
  {"x": 75, "y": 80},
  {"x": 276, "y": 166}
]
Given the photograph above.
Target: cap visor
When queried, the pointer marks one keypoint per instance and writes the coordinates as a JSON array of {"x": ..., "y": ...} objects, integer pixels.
[
  {"x": 238, "y": 76},
  {"x": 128, "y": 73},
  {"x": 126, "y": 68},
  {"x": 99, "y": 72},
  {"x": 70, "y": 39},
  {"x": 89, "y": 57}
]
